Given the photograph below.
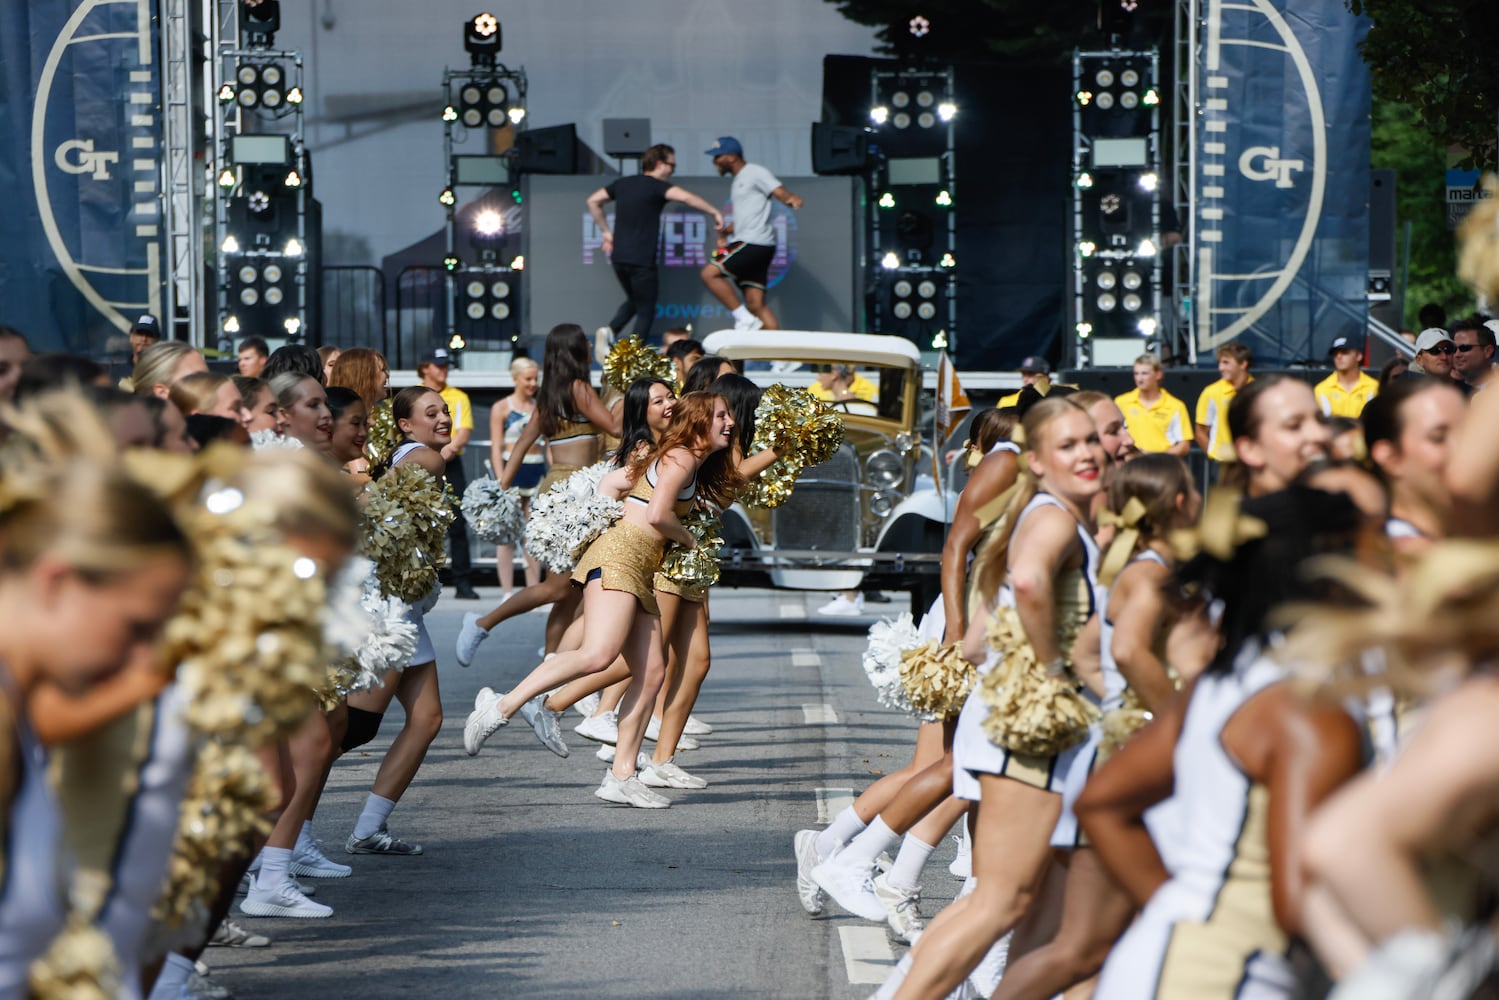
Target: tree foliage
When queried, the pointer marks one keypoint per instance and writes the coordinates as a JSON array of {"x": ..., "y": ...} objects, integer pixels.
[{"x": 1438, "y": 57}]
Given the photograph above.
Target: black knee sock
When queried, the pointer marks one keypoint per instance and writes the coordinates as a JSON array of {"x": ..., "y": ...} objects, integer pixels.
[{"x": 362, "y": 728}]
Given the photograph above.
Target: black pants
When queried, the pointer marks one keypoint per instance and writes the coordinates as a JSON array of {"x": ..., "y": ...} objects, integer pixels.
[
  {"x": 458, "y": 530},
  {"x": 641, "y": 284}
]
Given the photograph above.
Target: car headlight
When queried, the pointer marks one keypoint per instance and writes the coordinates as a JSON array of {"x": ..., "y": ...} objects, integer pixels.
[
  {"x": 904, "y": 442},
  {"x": 884, "y": 469},
  {"x": 882, "y": 503}
]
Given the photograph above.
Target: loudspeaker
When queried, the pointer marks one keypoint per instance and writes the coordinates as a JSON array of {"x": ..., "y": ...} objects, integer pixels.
[
  {"x": 551, "y": 150},
  {"x": 1382, "y": 220},
  {"x": 839, "y": 149},
  {"x": 627, "y": 136}
]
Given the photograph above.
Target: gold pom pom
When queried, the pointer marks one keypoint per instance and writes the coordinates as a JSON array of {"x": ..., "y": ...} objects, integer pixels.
[
  {"x": 1121, "y": 723},
  {"x": 936, "y": 679},
  {"x": 80, "y": 964},
  {"x": 1031, "y": 711},
  {"x": 1478, "y": 240},
  {"x": 384, "y": 436},
  {"x": 803, "y": 429},
  {"x": 696, "y": 567},
  {"x": 407, "y": 513},
  {"x": 629, "y": 360}
]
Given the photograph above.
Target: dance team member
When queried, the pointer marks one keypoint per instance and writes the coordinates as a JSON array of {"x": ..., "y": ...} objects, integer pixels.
[{"x": 507, "y": 419}]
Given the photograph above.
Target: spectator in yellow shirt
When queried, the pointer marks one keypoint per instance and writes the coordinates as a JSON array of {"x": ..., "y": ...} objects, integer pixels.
[
  {"x": 1032, "y": 369},
  {"x": 433, "y": 370},
  {"x": 1211, "y": 429},
  {"x": 1157, "y": 420},
  {"x": 846, "y": 389},
  {"x": 1348, "y": 389}
]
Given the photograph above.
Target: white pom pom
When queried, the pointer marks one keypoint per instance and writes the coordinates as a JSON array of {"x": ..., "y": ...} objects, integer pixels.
[
  {"x": 263, "y": 440},
  {"x": 889, "y": 638},
  {"x": 567, "y": 518},
  {"x": 493, "y": 513}
]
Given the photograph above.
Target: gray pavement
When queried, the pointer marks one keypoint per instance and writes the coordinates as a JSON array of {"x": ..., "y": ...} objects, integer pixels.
[{"x": 531, "y": 887}]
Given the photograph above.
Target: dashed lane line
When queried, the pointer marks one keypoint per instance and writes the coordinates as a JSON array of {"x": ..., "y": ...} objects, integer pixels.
[
  {"x": 866, "y": 954},
  {"x": 831, "y": 802}
]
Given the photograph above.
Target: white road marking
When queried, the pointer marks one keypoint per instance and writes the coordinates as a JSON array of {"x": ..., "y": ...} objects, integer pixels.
[
  {"x": 819, "y": 715},
  {"x": 866, "y": 954},
  {"x": 793, "y": 611},
  {"x": 805, "y": 658},
  {"x": 831, "y": 802}
]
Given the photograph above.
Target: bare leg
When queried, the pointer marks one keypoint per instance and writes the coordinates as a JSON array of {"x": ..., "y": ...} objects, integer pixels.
[
  {"x": 504, "y": 567},
  {"x": 311, "y": 750},
  {"x": 1095, "y": 911},
  {"x": 608, "y": 618},
  {"x": 754, "y": 301},
  {"x": 648, "y": 669},
  {"x": 929, "y": 742},
  {"x": 575, "y": 691},
  {"x": 418, "y": 694},
  {"x": 689, "y": 648},
  {"x": 1011, "y": 850},
  {"x": 721, "y": 286},
  {"x": 548, "y": 591},
  {"x": 1044, "y": 916},
  {"x": 612, "y": 695},
  {"x": 563, "y": 612},
  {"x": 925, "y": 791}
]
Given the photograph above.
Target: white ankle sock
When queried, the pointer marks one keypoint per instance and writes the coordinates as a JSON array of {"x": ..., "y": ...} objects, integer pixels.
[
  {"x": 906, "y": 872},
  {"x": 377, "y": 809},
  {"x": 864, "y": 848},
  {"x": 275, "y": 868},
  {"x": 742, "y": 314},
  {"x": 845, "y": 827},
  {"x": 172, "y": 981},
  {"x": 305, "y": 839}
]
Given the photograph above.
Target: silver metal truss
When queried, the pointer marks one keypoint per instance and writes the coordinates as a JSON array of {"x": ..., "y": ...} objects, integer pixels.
[
  {"x": 1083, "y": 167},
  {"x": 876, "y": 265},
  {"x": 181, "y": 183},
  {"x": 453, "y": 81},
  {"x": 1180, "y": 325}
]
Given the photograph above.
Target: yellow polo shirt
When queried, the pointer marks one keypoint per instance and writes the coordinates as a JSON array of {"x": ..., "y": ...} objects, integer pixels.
[
  {"x": 1337, "y": 401},
  {"x": 459, "y": 408},
  {"x": 1155, "y": 426},
  {"x": 859, "y": 387},
  {"x": 1212, "y": 413}
]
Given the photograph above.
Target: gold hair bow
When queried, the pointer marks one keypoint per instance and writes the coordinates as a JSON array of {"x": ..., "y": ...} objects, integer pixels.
[
  {"x": 1122, "y": 549},
  {"x": 974, "y": 458},
  {"x": 1220, "y": 530}
]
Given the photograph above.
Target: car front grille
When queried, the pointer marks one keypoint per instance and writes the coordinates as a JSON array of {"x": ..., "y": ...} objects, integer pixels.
[{"x": 823, "y": 511}]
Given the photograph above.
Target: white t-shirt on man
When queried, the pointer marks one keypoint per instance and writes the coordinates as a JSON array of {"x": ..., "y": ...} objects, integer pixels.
[{"x": 751, "y": 195}]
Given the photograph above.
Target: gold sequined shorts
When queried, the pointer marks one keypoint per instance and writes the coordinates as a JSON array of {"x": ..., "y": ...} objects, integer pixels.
[
  {"x": 556, "y": 473},
  {"x": 686, "y": 591},
  {"x": 625, "y": 557}
]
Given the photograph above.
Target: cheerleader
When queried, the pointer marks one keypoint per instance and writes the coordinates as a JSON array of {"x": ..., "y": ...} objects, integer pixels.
[
  {"x": 507, "y": 419},
  {"x": 365, "y": 371},
  {"x": 1277, "y": 431},
  {"x": 350, "y": 436},
  {"x": 572, "y": 418},
  {"x": 617, "y": 574},
  {"x": 426, "y": 427},
  {"x": 305, "y": 403},
  {"x": 1044, "y": 551},
  {"x": 1247, "y": 761},
  {"x": 261, "y": 405},
  {"x": 1406, "y": 430},
  {"x": 1149, "y": 497},
  {"x": 94, "y": 565}
]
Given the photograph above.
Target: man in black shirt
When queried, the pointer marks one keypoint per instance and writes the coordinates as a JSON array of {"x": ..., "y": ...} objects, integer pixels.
[{"x": 631, "y": 244}]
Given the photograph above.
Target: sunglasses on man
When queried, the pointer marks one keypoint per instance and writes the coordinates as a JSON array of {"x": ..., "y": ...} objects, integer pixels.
[
  {"x": 1465, "y": 348},
  {"x": 1440, "y": 349}
]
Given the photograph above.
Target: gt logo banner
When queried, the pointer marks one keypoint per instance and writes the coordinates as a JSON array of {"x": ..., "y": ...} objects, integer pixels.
[
  {"x": 1271, "y": 166},
  {"x": 77, "y": 156}
]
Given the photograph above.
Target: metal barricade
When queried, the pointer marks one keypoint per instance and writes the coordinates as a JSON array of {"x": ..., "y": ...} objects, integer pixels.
[{"x": 353, "y": 307}]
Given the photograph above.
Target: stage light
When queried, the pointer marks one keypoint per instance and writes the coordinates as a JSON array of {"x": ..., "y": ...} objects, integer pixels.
[
  {"x": 259, "y": 202},
  {"x": 226, "y": 178},
  {"x": 230, "y": 244},
  {"x": 1145, "y": 249},
  {"x": 925, "y": 99},
  {"x": 919, "y": 26},
  {"x": 1107, "y": 302},
  {"x": 248, "y": 274},
  {"x": 901, "y": 310},
  {"x": 1149, "y": 182},
  {"x": 517, "y": 115},
  {"x": 226, "y": 94},
  {"x": 1132, "y": 280},
  {"x": 516, "y": 196},
  {"x": 1104, "y": 78},
  {"x": 293, "y": 179},
  {"x": 247, "y": 74},
  {"x": 926, "y": 310},
  {"x": 489, "y": 223},
  {"x": 901, "y": 120},
  {"x": 879, "y": 115},
  {"x": 260, "y": 21},
  {"x": 947, "y": 111},
  {"x": 518, "y": 263},
  {"x": 1084, "y": 97},
  {"x": 274, "y": 296},
  {"x": 500, "y": 289},
  {"x": 271, "y": 273},
  {"x": 294, "y": 96},
  {"x": 476, "y": 310},
  {"x": 1129, "y": 77},
  {"x": 902, "y": 289},
  {"x": 293, "y": 247},
  {"x": 900, "y": 99},
  {"x": 482, "y": 39},
  {"x": 1132, "y": 302},
  {"x": 451, "y": 262},
  {"x": 231, "y": 324},
  {"x": 248, "y": 296},
  {"x": 1110, "y": 203},
  {"x": 948, "y": 260},
  {"x": 887, "y": 200},
  {"x": 1084, "y": 330},
  {"x": 447, "y": 198},
  {"x": 450, "y": 114},
  {"x": 890, "y": 261},
  {"x": 1084, "y": 180},
  {"x": 1147, "y": 326},
  {"x": 926, "y": 119},
  {"x": 475, "y": 289},
  {"x": 1106, "y": 100},
  {"x": 1106, "y": 280},
  {"x": 927, "y": 289},
  {"x": 1086, "y": 248},
  {"x": 1151, "y": 98},
  {"x": 1129, "y": 100},
  {"x": 293, "y": 326},
  {"x": 499, "y": 311},
  {"x": 944, "y": 199},
  {"x": 456, "y": 342}
]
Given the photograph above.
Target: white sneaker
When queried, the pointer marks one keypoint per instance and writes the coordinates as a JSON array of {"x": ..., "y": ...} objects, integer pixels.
[
  {"x": 785, "y": 367},
  {"x": 850, "y": 886},
  {"x": 482, "y": 721},
  {"x": 696, "y": 727},
  {"x": 630, "y": 792},
  {"x": 309, "y": 861},
  {"x": 545, "y": 723},
  {"x": 962, "y": 864},
  {"x": 753, "y": 322},
  {"x": 653, "y": 733},
  {"x": 599, "y": 728},
  {"x": 469, "y": 638},
  {"x": 841, "y": 606},
  {"x": 667, "y": 775},
  {"x": 588, "y": 706},
  {"x": 603, "y": 340},
  {"x": 606, "y": 754},
  {"x": 685, "y": 742},
  {"x": 284, "y": 901},
  {"x": 902, "y": 908},
  {"x": 805, "y": 844}
]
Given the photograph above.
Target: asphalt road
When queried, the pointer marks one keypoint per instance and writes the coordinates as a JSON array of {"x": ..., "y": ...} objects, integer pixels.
[{"x": 531, "y": 887}]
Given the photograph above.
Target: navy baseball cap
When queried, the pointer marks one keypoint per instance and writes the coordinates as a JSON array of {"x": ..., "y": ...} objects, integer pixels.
[
  {"x": 1034, "y": 366},
  {"x": 725, "y": 144},
  {"x": 438, "y": 357},
  {"x": 147, "y": 324},
  {"x": 1343, "y": 344}
]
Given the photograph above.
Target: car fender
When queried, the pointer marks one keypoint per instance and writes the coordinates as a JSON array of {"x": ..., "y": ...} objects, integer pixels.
[{"x": 926, "y": 504}]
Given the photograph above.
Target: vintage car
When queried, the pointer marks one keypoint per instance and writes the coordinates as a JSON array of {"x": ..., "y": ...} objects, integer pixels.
[{"x": 872, "y": 516}]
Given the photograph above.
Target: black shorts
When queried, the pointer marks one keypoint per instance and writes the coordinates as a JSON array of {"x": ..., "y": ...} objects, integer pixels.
[{"x": 747, "y": 263}]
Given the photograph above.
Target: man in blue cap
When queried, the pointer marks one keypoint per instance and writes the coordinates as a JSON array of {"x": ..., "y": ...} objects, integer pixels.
[{"x": 744, "y": 264}]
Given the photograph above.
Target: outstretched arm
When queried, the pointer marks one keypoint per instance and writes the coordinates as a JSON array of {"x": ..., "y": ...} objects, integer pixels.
[
  {"x": 792, "y": 201},
  {"x": 691, "y": 200}
]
